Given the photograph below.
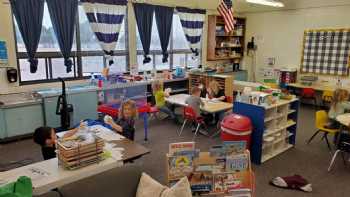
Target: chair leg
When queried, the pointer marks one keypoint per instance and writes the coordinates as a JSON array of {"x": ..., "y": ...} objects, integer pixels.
[
  {"x": 195, "y": 133},
  {"x": 155, "y": 116},
  {"x": 333, "y": 159},
  {"x": 216, "y": 133},
  {"x": 182, "y": 127},
  {"x": 315, "y": 101},
  {"x": 312, "y": 137},
  {"x": 343, "y": 156},
  {"x": 326, "y": 138}
]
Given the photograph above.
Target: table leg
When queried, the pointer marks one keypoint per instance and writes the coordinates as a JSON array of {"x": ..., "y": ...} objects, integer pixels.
[
  {"x": 58, "y": 192},
  {"x": 145, "y": 124}
]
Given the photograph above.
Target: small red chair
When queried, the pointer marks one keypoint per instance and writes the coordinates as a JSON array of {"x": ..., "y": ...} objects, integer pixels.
[
  {"x": 229, "y": 99},
  {"x": 309, "y": 94},
  {"x": 190, "y": 115},
  {"x": 153, "y": 111}
]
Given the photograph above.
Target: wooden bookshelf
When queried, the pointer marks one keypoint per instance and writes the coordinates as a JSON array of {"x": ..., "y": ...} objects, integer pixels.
[
  {"x": 219, "y": 42},
  {"x": 225, "y": 81}
]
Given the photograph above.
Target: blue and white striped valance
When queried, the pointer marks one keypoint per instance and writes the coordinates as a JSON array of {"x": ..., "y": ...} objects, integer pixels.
[
  {"x": 192, "y": 21},
  {"x": 105, "y": 18}
]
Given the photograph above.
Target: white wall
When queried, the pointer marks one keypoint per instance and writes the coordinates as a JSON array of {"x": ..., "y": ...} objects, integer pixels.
[
  {"x": 6, "y": 34},
  {"x": 279, "y": 34}
]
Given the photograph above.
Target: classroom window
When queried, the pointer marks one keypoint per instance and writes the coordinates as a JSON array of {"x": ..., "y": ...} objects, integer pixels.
[
  {"x": 160, "y": 65},
  {"x": 91, "y": 64},
  {"x": 177, "y": 48},
  {"x": 119, "y": 65},
  {"x": 25, "y": 71},
  {"x": 92, "y": 56},
  {"x": 144, "y": 67},
  {"x": 59, "y": 70},
  {"x": 179, "y": 39},
  {"x": 86, "y": 55},
  {"x": 179, "y": 60}
]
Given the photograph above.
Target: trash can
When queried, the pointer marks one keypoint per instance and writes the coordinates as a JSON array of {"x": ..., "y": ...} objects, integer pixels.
[{"x": 236, "y": 127}]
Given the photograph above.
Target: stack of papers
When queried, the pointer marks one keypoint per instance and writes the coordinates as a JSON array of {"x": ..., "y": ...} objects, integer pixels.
[{"x": 105, "y": 133}]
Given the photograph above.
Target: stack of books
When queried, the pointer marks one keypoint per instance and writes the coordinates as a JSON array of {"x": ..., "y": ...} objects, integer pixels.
[
  {"x": 80, "y": 150},
  {"x": 223, "y": 171},
  {"x": 180, "y": 159}
]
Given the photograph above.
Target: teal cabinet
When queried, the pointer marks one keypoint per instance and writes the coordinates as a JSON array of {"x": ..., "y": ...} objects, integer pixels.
[
  {"x": 84, "y": 106},
  {"x": 20, "y": 120},
  {"x": 240, "y": 75},
  {"x": 3, "y": 133},
  {"x": 50, "y": 117}
]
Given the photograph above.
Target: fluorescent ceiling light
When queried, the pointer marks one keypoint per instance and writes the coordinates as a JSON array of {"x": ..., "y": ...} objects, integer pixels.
[{"x": 267, "y": 2}]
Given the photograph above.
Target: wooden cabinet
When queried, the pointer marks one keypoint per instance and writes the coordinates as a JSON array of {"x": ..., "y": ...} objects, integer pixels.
[
  {"x": 225, "y": 46},
  {"x": 225, "y": 81}
]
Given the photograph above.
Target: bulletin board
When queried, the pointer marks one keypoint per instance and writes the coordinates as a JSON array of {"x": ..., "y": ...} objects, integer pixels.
[
  {"x": 3, "y": 54},
  {"x": 326, "y": 51}
]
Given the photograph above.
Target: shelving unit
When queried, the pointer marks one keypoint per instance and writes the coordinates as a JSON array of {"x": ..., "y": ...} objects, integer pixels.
[
  {"x": 177, "y": 85},
  {"x": 274, "y": 126},
  {"x": 225, "y": 46},
  {"x": 225, "y": 81}
]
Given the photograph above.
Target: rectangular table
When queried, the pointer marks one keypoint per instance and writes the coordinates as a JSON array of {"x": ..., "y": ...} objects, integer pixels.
[
  {"x": 209, "y": 106},
  {"x": 317, "y": 87},
  {"x": 55, "y": 176}
]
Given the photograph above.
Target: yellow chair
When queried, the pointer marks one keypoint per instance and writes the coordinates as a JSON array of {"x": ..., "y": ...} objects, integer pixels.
[
  {"x": 321, "y": 121},
  {"x": 327, "y": 97}
]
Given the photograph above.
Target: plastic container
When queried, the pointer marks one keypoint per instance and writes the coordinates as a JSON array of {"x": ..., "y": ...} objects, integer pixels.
[
  {"x": 236, "y": 127},
  {"x": 268, "y": 145}
]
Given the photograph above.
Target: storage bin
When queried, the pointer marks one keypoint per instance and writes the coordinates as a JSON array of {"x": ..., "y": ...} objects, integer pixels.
[{"x": 236, "y": 127}]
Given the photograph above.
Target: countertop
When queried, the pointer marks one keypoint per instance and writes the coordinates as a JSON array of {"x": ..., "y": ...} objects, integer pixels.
[
  {"x": 28, "y": 98},
  {"x": 18, "y": 99}
]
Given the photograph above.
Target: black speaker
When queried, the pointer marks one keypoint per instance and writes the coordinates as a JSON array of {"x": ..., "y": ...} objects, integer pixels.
[{"x": 12, "y": 75}]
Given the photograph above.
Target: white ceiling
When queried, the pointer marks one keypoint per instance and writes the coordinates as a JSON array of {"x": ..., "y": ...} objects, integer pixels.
[{"x": 243, "y": 6}]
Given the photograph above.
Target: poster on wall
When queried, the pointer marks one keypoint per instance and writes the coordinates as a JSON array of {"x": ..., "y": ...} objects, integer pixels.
[
  {"x": 326, "y": 51},
  {"x": 3, "y": 54}
]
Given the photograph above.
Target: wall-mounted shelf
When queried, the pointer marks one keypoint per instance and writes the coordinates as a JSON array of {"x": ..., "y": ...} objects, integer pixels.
[{"x": 217, "y": 36}]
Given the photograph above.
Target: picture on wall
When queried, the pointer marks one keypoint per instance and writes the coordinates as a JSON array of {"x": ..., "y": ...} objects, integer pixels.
[
  {"x": 326, "y": 52},
  {"x": 3, "y": 54}
]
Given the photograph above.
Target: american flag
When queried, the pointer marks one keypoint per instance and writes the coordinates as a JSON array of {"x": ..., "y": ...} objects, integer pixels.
[{"x": 225, "y": 10}]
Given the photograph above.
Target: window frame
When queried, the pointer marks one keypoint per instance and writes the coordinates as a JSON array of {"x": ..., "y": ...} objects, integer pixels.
[
  {"x": 76, "y": 56},
  {"x": 171, "y": 52}
]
